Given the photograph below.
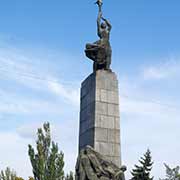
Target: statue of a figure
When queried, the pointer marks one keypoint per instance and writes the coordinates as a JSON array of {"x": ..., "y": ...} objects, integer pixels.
[
  {"x": 100, "y": 51},
  {"x": 91, "y": 165}
]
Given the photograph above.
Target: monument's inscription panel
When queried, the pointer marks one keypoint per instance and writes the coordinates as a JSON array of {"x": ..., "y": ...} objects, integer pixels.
[{"x": 99, "y": 115}]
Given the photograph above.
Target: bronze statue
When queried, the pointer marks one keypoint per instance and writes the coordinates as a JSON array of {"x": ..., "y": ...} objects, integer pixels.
[
  {"x": 91, "y": 165},
  {"x": 100, "y": 51}
]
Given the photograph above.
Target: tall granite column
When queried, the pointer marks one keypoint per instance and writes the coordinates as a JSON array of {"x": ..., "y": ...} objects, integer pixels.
[{"x": 99, "y": 115}]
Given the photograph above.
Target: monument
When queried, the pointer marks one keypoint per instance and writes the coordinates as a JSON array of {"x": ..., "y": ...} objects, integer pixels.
[
  {"x": 100, "y": 51},
  {"x": 99, "y": 130}
]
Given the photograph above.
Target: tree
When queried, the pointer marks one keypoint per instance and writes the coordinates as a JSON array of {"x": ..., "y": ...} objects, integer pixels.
[
  {"x": 9, "y": 174},
  {"x": 19, "y": 178},
  {"x": 142, "y": 172},
  {"x": 31, "y": 178},
  {"x": 69, "y": 176},
  {"x": 172, "y": 173},
  {"x": 47, "y": 163}
]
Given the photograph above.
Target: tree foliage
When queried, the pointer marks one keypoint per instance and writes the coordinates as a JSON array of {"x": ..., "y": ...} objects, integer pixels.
[
  {"x": 47, "y": 163},
  {"x": 31, "y": 178},
  {"x": 9, "y": 174},
  {"x": 172, "y": 173},
  {"x": 19, "y": 178},
  {"x": 142, "y": 172}
]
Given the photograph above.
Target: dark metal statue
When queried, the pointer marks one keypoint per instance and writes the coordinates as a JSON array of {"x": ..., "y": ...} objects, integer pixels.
[
  {"x": 100, "y": 51},
  {"x": 91, "y": 165}
]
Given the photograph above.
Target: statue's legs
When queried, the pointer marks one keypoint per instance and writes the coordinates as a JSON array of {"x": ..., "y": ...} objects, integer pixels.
[
  {"x": 91, "y": 46},
  {"x": 108, "y": 61}
]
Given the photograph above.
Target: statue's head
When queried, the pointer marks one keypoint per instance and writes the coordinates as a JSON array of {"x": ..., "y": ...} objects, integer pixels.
[
  {"x": 123, "y": 168},
  {"x": 88, "y": 149},
  {"x": 103, "y": 25},
  {"x": 82, "y": 152}
]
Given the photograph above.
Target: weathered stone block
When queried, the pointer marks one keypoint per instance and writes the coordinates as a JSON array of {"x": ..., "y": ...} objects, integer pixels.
[
  {"x": 103, "y": 148},
  {"x": 104, "y": 121},
  {"x": 113, "y": 97},
  {"x": 99, "y": 115},
  {"x": 117, "y": 122},
  {"x": 104, "y": 95},
  {"x": 101, "y": 134},
  {"x": 113, "y": 110},
  {"x": 101, "y": 108},
  {"x": 113, "y": 136}
]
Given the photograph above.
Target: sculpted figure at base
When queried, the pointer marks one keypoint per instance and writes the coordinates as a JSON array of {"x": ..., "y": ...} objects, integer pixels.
[
  {"x": 93, "y": 166},
  {"x": 100, "y": 51}
]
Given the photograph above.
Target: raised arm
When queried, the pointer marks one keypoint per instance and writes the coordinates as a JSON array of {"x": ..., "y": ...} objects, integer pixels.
[
  {"x": 108, "y": 23},
  {"x": 99, "y": 23}
]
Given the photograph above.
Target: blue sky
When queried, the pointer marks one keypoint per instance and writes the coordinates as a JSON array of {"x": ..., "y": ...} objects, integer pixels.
[{"x": 42, "y": 64}]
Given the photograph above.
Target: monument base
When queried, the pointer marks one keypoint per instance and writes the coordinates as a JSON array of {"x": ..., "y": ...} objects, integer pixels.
[
  {"x": 99, "y": 115},
  {"x": 91, "y": 165}
]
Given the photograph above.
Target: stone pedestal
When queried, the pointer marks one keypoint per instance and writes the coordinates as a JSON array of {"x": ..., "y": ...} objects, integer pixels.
[{"x": 99, "y": 115}]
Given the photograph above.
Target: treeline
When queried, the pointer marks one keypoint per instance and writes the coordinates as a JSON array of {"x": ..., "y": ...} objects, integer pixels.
[
  {"x": 143, "y": 170},
  {"x": 48, "y": 162},
  {"x": 10, "y": 174}
]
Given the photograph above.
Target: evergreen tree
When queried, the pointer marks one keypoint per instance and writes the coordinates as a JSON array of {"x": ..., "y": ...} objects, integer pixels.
[
  {"x": 142, "y": 172},
  {"x": 172, "y": 173},
  {"x": 47, "y": 163}
]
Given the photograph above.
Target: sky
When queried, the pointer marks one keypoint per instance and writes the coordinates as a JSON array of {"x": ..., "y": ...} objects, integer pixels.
[{"x": 42, "y": 65}]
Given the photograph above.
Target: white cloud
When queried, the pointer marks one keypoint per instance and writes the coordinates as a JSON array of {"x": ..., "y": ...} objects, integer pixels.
[
  {"x": 64, "y": 133},
  {"x": 148, "y": 120},
  {"x": 28, "y": 131},
  {"x": 14, "y": 154},
  {"x": 20, "y": 103},
  {"x": 14, "y": 147},
  {"x": 167, "y": 69},
  {"x": 71, "y": 94},
  {"x": 21, "y": 69},
  {"x": 153, "y": 109},
  {"x": 17, "y": 66},
  {"x": 11, "y": 103}
]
